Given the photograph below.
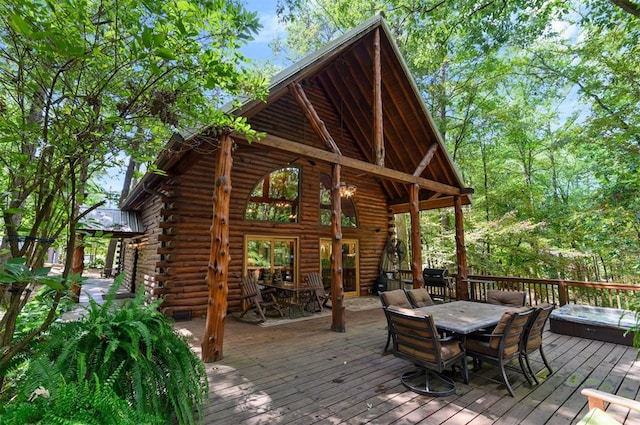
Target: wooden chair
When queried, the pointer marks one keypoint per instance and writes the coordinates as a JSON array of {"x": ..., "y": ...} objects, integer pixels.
[
  {"x": 254, "y": 298},
  {"x": 395, "y": 297},
  {"x": 597, "y": 413},
  {"x": 510, "y": 298},
  {"x": 419, "y": 297},
  {"x": 415, "y": 338},
  {"x": 318, "y": 295},
  {"x": 532, "y": 340},
  {"x": 502, "y": 345}
]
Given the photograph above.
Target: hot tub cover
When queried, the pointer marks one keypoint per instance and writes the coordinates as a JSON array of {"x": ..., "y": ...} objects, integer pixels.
[{"x": 596, "y": 316}]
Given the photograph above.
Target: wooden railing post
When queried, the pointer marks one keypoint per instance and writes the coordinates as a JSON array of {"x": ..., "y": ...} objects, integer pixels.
[{"x": 563, "y": 293}]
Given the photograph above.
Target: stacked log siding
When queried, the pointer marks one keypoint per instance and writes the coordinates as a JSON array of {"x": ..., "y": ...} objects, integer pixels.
[{"x": 173, "y": 259}]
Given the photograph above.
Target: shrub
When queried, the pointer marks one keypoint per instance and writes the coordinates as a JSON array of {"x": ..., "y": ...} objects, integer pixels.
[
  {"x": 88, "y": 402},
  {"x": 133, "y": 346}
]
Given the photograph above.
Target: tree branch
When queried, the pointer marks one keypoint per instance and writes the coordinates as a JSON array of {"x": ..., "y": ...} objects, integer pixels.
[{"x": 628, "y": 6}]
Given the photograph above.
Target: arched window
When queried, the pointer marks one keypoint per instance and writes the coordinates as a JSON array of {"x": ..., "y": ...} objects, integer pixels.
[
  {"x": 349, "y": 216},
  {"x": 275, "y": 197}
]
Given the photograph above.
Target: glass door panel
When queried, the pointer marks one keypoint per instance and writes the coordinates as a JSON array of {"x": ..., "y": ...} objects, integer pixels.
[
  {"x": 283, "y": 259},
  {"x": 258, "y": 257},
  {"x": 350, "y": 265}
]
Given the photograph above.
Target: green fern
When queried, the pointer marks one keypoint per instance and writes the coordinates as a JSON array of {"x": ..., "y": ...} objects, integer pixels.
[
  {"x": 86, "y": 402},
  {"x": 133, "y": 347}
]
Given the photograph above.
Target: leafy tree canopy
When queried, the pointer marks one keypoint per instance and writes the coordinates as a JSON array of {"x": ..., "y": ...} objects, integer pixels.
[{"x": 537, "y": 102}]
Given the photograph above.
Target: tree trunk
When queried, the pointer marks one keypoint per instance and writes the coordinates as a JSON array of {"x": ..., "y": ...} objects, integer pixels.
[
  {"x": 461, "y": 253},
  {"x": 77, "y": 266}
]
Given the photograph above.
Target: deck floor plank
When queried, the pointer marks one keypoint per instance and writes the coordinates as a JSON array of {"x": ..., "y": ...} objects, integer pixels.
[{"x": 302, "y": 373}]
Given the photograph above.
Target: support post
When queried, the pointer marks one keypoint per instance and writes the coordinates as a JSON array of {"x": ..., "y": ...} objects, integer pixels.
[
  {"x": 461, "y": 253},
  {"x": 337, "y": 287},
  {"x": 416, "y": 242},
  {"x": 378, "y": 127},
  {"x": 218, "y": 269}
]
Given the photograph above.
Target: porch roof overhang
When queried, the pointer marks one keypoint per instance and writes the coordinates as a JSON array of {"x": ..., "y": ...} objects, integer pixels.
[
  {"x": 112, "y": 222},
  {"x": 338, "y": 83}
]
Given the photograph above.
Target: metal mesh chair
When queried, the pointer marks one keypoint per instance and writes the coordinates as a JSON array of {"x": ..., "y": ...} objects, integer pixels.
[
  {"x": 502, "y": 345},
  {"x": 415, "y": 338},
  {"x": 398, "y": 298},
  {"x": 532, "y": 340},
  {"x": 419, "y": 297}
]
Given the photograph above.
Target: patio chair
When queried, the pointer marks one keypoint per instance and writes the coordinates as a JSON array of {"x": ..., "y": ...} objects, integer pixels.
[
  {"x": 254, "y": 298},
  {"x": 510, "y": 298},
  {"x": 597, "y": 413},
  {"x": 502, "y": 345},
  {"x": 532, "y": 340},
  {"x": 415, "y": 338},
  {"x": 395, "y": 297},
  {"x": 318, "y": 295},
  {"x": 419, "y": 297}
]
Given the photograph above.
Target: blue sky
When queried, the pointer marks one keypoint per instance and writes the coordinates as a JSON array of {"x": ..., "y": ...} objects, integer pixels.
[{"x": 259, "y": 48}]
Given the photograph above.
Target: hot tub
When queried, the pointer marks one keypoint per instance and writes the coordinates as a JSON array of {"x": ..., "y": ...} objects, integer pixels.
[{"x": 599, "y": 323}]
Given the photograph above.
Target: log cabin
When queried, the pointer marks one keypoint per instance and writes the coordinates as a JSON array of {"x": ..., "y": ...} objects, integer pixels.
[{"x": 348, "y": 143}]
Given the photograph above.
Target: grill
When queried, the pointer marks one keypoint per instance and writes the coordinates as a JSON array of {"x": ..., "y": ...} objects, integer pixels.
[
  {"x": 435, "y": 277},
  {"x": 437, "y": 280}
]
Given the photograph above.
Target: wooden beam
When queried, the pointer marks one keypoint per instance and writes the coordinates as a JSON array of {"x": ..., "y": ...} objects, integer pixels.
[
  {"x": 426, "y": 160},
  {"x": 337, "y": 288},
  {"x": 372, "y": 169},
  {"x": 461, "y": 252},
  {"x": 429, "y": 204},
  {"x": 316, "y": 123},
  {"x": 218, "y": 270},
  {"x": 416, "y": 241},
  {"x": 378, "y": 125}
]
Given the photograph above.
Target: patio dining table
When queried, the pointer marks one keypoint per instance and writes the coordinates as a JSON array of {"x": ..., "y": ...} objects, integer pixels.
[
  {"x": 294, "y": 296},
  {"x": 465, "y": 317}
]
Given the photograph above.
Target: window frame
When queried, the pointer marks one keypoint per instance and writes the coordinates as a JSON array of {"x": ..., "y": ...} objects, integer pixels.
[
  {"x": 272, "y": 239},
  {"x": 262, "y": 200}
]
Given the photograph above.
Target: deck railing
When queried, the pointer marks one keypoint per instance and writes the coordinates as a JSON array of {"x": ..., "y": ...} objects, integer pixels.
[{"x": 560, "y": 292}]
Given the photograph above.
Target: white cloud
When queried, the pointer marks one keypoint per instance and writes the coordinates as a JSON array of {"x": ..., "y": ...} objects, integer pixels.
[{"x": 271, "y": 28}]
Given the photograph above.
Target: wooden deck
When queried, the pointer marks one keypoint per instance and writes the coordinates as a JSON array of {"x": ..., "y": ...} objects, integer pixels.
[{"x": 302, "y": 373}]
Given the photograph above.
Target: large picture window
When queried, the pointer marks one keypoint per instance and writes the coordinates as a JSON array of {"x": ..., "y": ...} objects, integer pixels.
[
  {"x": 275, "y": 197},
  {"x": 349, "y": 216},
  {"x": 271, "y": 258}
]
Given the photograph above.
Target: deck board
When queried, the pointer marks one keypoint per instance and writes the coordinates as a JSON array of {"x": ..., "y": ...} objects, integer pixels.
[{"x": 302, "y": 373}]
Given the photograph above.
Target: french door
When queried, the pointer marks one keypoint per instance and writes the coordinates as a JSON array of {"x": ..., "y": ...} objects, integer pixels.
[{"x": 350, "y": 265}]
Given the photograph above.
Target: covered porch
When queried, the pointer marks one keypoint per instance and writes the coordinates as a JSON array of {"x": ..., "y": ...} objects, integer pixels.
[{"x": 302, "y": 373}]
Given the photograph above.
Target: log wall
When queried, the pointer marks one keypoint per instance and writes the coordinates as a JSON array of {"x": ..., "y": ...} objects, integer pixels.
[
  {"x": 175, "y": 250},
  {"x": 147, "y": 247}
]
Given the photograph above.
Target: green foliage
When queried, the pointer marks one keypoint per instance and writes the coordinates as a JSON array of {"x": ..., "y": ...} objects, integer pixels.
[
  {"x": 24, "y": 318},
  {"x": 82, "y": 82},
  {"x": 16, "y": 272},
  {"x": 86, "y": 80},
  {"x": 49, "y": 399},
  {"x": 132, "y": 346},
  {"x": 538, "y": 104}
]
